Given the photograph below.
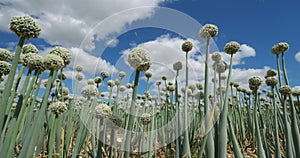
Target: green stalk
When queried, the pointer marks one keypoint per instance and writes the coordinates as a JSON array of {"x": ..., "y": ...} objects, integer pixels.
[
  {"x": 9, "y": 82},
  {"x": 236, "y": 147},
  {"x": 29, "y": 142},
  {"x": 186, "y": 144},
  {"x": 14, "y": 91},
  {"x": 278, "y": 69},
  {"x": 223, "y": 118},
  {"x": 178, "y": 128},
  {"x": 261, "y": 152},
  {"x": 294, "y": 125},
  {"x": 210, "y": 150},
  {"x": 131, "y": 117},
  {"x": 277, "y": 143},
  {"x": 288, "y": 143},
  {"x": 54, "y": 119}
]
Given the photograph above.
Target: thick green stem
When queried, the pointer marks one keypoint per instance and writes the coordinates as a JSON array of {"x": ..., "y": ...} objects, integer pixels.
[
  {"x": 186, "y": 143},
  {"x": 288, "y": 143},
  {"x": 9, "y": 82},
  {"x": 130, "y": 124},
  {"x": 277, "y": 143},
  {"x": 223, "y": 118}
]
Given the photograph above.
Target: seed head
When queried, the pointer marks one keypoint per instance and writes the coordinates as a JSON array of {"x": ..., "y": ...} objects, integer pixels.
[
  {"x": 104, "y": 74},
  {"x": 216, "y": 56},
  {"x": 208, "y": 31},
  {"x": 24, "y": 26},
  {"x": 232, "y": 47},
  {"x": 280, "y": 48},
  {"x": 89, "y": 91},
  {"x": 5, "y": 55},
  {"x": 146, "y": 118},
  {"x": 148, "y": 74},
  {"x": 255, "y": 82},
  {"x": 97, "y": 79},
  {"x": 177, "y": 66},
  {"x": 102, "y": 111},
  {"x": 139, "y": 59},
  {"x": 63, "y": 53},
  {"x": 4, "y": 68},
  {"x": 271, "y": 81},
  {"x": 187, "y": 46},
  {"x": 58, "y": 107},
  {"x": 29, "y": 48},
  {"x": 53, "y": 62},
  {"x": 285, "y": 90},
  {"x": 78, "y": 68}
]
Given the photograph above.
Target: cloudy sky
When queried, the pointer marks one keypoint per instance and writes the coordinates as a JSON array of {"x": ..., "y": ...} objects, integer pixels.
[{"x": 99, "y": 33}]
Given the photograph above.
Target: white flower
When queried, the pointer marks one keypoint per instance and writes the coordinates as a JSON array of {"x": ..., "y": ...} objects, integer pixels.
[{"x": 139, "y": 59}]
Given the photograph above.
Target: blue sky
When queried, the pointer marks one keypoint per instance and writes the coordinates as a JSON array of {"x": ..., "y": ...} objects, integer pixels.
[{"x": 99, "y": 33}]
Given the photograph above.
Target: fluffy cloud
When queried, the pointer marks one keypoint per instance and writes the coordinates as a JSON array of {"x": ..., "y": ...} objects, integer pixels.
[
  {"x": 67, "y": 22},
  {"x": 165, "y": 51}
]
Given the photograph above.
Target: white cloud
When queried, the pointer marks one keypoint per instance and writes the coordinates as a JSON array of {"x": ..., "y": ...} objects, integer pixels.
[
  {"x": 90, "y": 63},
  {"x": 68, "y": 22},
  {"x": 297, "y": 57},
  {"x": 242, "y": 76}
]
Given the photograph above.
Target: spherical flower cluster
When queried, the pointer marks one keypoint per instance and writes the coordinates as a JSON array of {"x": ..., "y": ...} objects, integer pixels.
[
  {"x": 104, "y": 74},
  {"x": 232, "y": 47},
  {"x": 90, "y": 82},
  {"x": 111, "y": 83},
  {"x": 164, "y": 77},
  {"x": 97, "y": 79},
  {"x": 36, "y": 63},
  {"x": 4, "y": 68},
  {"x": 139, "y": 59},
  {"x": 78, "y": 68},
  {"x": 216, "y": 56},
  {"x": 58, "y": 107},
  {"x": 255, "y": 82},
  {"x": 146, "y": 118},
  {"x": 89, "y": 91},
  {"x": 122, "y": 88},
  {"x": 117, "y": 82},
  {"x": 5, "y": 55},
  {"x": 62, "y": 76},
  {"x": 63, "y": 53},
  {"x": 271, "y": 81},
  {"x": 199, "y": 86},
  {"x": 53, "y": 62},
  {"x": 280, "y": 48},
  {"x": 65, "y": 91},
  {"x": 271, "y": 73},
  {"x": 79, "y": 76},
  {"x": 199, "y": 95},
  {"x": 122, "y": 74},
  {"x": 148, "y": 74},
  {"x": 24, "y": 26},
  {"x": 102, "y": 111},
  {"x": 285, "y": 90},
  {"x": 208, "y": 31},
  {"x": 177, "y": 66},
  {"x": 29, "y": 48},
  {"x": 187, "y": 46},
  {"x": 220, "y": 66},
  {"x": 170, "y": 88}
]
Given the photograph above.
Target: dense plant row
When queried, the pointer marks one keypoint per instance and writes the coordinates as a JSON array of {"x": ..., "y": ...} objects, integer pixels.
[{"x": 188, "y": 121}]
